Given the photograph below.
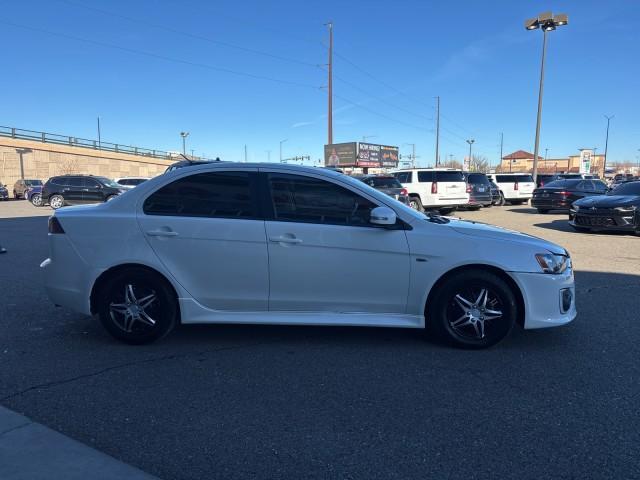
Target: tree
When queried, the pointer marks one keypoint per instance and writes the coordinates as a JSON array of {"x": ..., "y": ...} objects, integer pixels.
[
  {"x": 479, "y": 163},
  {"x": 451, "y": 164}
]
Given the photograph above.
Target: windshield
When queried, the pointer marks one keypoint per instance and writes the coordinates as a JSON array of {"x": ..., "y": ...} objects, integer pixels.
[
  {"x": 477, "y": 178},
  {"x": 631, "y": 188},
  {"x": 108, "y": 182}
]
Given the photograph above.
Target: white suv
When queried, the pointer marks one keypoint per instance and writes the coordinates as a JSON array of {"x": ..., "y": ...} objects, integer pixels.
[
  {"x": 515, "y": 188},
  {"x": 437, "y": 188}
]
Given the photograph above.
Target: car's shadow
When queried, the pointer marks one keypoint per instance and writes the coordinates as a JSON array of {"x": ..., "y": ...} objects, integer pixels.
[{"x": 562, "y": 225}]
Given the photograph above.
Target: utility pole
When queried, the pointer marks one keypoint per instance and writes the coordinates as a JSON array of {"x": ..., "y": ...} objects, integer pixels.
[
  {"x": 501, "y": 146},
  {"x": 268, "y": 155},
  {"x": 99, "y": 136},
  {"x": 437, "y": 130},
  {"x": 281, "y": 142},
  {"x": 245, "y": 153},
  {"x": 470, "y": 142},
  {"x": 606, "y": 145},
  {"x": 546, "y": 151},
  {"x": 330, "y": 86}
]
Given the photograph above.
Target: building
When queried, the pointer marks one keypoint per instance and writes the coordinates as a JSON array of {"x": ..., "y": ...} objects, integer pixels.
[
  {"x": 40, "y": 155},
  {"x": 522, "y": 161}
]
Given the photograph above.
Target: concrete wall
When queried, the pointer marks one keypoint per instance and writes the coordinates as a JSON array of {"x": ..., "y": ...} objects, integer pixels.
[{"x": 40, "y": 160}]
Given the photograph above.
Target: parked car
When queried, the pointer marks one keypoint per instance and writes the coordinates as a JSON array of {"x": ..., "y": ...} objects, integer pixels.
[
  {"x": 515, "y": 188},
  {"x": 618, "y": 210},
  {"x": 130, "y": 182},
  {"x": 386, "y": 184},
  {"x": 434, "y": 188},
  {"x": 495, "y": 192},
  {"x": 543, "y": 179},
  {"x": 21, "y": 186},
  {"x": 34, "y": 195},
  {"x": 479, "y": 190},
  {"x": 284, "y": 244},
  {"x": 4, "y": 193},
  {"x": 561, "y": 194},
  {"x": 78, "y": 189}
]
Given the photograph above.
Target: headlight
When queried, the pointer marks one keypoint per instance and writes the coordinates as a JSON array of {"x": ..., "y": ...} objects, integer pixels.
[
  {"x": 552, "y": 263},
  {"x": 576, "y": 207},
  {"x": 625, "y": 209}
]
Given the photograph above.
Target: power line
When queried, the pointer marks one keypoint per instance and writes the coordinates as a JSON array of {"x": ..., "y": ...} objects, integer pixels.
[
  {"x": 161, "y": 57},
  {"x": 190, "y": 34}
]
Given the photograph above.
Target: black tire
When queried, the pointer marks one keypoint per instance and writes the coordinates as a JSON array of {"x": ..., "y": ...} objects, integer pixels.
[
  {"x": 416, "y": 204},
  {"x": 56, "y": 201},
  {"x": 162, "y": 309},
  {"x": 447, "y": 320},
  {"x": 36, "y": 200},
  {"x": 543, "y": 210},
  {"x": 502, "y": 201},
  {"x": 15, "y": 195}
]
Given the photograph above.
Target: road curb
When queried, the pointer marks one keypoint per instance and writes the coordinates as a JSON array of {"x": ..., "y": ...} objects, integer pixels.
[{"x": 29, "y": 450}]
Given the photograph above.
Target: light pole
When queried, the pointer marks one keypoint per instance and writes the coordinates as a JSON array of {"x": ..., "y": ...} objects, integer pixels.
[
  {"x": 184, "y": 136},
  {"x": 546, "y": 151},
  {"x": 281, "y": 142},
  {"x": 606, "y": 145},
  {"x": 470, "y": 142},
  {"x": 413, "y": 154},
  {"x": 99, "y": 136},
  {"x": 595, "y": 159},
  {"x": 547, "y": 22}
]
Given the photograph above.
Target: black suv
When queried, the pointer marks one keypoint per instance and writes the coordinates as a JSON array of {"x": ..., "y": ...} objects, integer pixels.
[{"x": 77, "y": 189}]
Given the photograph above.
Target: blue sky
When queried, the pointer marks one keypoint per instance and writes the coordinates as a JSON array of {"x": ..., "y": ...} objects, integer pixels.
[{"x": 150, "y": 69}]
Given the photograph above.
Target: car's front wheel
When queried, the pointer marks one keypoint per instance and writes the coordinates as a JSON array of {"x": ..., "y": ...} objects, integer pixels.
[
  {"x": 137, "y": 306},
  {"x": 472, "y": 309},
  {"x": 36, "y": 200},
  {"x": 56, "y": 201}
]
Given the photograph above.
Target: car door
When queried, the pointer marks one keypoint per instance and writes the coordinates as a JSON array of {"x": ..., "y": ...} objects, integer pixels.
[
  {"x": 92, "y": 191},
  {"x": 72, "y": 190},
  {"x": 324, "y": 255},
  {"x": 207, "y": 231}
]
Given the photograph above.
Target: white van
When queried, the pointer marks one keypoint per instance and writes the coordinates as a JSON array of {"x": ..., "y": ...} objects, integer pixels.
[
  {"x": 434, "y": 188},
  {"x": 515, "y": 188}
]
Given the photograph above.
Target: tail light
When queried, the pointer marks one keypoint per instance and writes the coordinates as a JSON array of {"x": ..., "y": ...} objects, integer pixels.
[
  {"x": 54, "y": 226},
  {"x": 434, "y": 188},
  {"x": 564, "y": 194},
  {"x": 469, "y": 188},
  {"x": 515, "y": 186},
  {"x": 404, "y": 192}
]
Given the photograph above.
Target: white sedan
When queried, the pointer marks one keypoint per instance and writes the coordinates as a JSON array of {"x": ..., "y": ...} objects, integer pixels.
[{"x": 282, "y": 244}]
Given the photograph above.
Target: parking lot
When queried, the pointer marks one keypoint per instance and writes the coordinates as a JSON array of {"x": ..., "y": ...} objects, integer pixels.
[{"x": 272, "y": 402}]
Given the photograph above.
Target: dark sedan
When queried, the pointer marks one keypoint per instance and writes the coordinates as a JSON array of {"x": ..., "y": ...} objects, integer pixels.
[
  {"x": 561, "y": 194},
  {"x": 479, "y": 190},
  {"x": 618, "y": 210},
  {"x": 386, "y": 184}
]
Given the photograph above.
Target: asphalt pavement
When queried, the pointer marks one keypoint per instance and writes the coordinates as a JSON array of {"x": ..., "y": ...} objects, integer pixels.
[{"x": 238, "y": 402}]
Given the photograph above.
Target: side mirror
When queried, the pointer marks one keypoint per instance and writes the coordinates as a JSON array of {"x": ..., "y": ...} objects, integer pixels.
[{"x": 383, "y": 216}]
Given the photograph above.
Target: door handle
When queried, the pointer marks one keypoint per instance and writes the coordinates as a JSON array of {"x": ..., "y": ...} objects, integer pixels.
[
  {"x": 162, "y": 233},
  {"x": 285, "y": 240}
]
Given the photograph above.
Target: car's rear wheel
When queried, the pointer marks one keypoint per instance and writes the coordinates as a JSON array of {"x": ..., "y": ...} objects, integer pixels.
[
  {"x": 137, "y": 306},
  {"x": 472, "y": 309},
  {"x": 36, "y": 200},
  {"x": 416, "y": 204},
  {"x": 501, "y": 201},
  {"x": 56, "y": 201}
]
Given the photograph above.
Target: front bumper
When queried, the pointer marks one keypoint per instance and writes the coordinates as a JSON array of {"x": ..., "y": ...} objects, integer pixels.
[
  {"x": 605, "y": 219},
  {"x": 543, "y": 296}
]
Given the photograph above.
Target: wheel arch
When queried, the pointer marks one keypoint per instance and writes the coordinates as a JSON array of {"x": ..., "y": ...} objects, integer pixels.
[
  {"x": 110, "y": 272},
  {"x": 486, "y": 268}
]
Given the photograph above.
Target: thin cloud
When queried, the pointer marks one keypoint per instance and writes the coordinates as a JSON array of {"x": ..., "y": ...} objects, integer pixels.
[{"x": 301, "y": 124}]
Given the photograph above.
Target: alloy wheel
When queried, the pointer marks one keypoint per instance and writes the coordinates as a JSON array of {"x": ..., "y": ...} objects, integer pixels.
[
  {"x": 36, "y": 200},
  {"x": 474, "y": 312},
  {"x": 135, "y": 313},
  {"x": 56, "y": 202}
]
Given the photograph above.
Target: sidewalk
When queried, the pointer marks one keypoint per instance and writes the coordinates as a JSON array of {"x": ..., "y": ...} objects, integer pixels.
[{"x": 32, "y": 451}]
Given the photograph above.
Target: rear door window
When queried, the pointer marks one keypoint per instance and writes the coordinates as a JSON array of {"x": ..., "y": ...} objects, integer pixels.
[
  {"x": 75, "y": 183},
  {"x": 426, "y": 177},
  {"x": 404, "y": 177}
]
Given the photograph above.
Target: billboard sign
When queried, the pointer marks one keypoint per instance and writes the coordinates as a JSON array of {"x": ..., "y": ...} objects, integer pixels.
[
  {"x": 585, "y": 160},
  {"x": 368, "y": 155},
  {"x": 355, "y": 154},
  {"x": 341, "y": 154},
  {"x": 389, "y": 156}
]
